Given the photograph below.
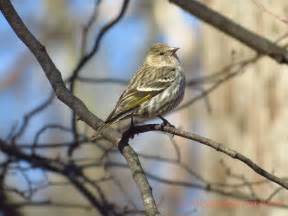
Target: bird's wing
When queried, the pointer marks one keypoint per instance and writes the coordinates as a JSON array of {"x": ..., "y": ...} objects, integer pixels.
[{"x": 150, "y": 82}]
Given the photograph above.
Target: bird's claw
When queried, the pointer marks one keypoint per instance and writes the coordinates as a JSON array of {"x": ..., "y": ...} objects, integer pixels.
[{"x": 165, "y": 122}]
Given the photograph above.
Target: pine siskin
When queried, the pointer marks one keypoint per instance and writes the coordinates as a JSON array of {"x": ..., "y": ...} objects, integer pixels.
[{"x": 155, "y": 89}]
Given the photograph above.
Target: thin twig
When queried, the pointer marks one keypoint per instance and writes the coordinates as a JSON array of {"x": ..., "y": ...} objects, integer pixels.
[
  {"x": 82, "y": 62},
  {"x": 259, "y": 44},
  {"x": 32, "y": 113},
  {"x": 208, "y": 142},
  {"x": 78, "y": 107}
]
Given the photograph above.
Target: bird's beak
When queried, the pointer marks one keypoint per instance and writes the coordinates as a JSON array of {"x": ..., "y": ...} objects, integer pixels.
[{"x": 173, "y": 50}]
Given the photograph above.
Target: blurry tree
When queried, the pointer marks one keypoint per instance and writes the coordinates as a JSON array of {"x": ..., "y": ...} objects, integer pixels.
[{"x": 250, "y": 111}]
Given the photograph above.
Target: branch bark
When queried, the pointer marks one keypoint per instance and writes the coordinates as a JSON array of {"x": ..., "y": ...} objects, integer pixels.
[
  {"x": 208, "y": 142},
  {"x": 259, "y": 44},
  {"x": 63, "y": 94},
  {"x": 52, "y": 166},
  {"x": 83, "y": 61}
]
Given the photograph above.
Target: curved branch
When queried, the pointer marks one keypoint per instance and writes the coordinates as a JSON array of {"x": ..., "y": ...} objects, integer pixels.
[
  {"x": 98, "y": 40},
  {"x": 82, "y": 62},
  {"x": 208, "y": 142},
  {"x": 53, "y": 166},
  {"x": 139, "y": 177},
  {"x": 28, "y": 116},
  {"x": 260, "y": 44},
  {"x": 63, "y": 94}
]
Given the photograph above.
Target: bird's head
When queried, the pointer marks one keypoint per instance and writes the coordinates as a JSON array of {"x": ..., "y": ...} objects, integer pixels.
[{"x": 162, "y": 55}]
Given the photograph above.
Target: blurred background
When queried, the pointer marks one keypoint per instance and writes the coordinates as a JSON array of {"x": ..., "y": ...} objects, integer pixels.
[{"x": 247, "y": 111}]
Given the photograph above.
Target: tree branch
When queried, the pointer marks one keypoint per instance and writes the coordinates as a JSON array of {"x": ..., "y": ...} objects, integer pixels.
[
  {"x": 259, "y": 44},
  {"x": 84, "y": 59},
  {"x": 53, "y": 166},
  {"x": 63, "y": 94},
  {"x": 208, "y": 142}
]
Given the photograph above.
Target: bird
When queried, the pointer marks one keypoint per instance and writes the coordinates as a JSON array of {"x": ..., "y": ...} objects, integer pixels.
[{"x": 154, "y": 90}]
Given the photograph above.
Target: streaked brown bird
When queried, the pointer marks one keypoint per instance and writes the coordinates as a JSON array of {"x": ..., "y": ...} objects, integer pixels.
[{"x": 155, "y": 89}]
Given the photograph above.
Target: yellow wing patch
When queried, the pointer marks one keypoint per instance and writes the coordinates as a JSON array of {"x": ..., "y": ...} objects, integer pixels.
[
  {"x": 137, "y": 99},
  {"x": 129, "y": 102}
]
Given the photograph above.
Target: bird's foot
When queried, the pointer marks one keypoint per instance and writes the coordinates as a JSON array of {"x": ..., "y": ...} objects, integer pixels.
[
  {"x": 165, "y": 122},
  {"x": 131, "y": 127},
  {"x": 131, "y": 122}
]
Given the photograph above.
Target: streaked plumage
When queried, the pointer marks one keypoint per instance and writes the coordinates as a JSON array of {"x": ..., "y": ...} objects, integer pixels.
[{"x": 155, "y": 89}]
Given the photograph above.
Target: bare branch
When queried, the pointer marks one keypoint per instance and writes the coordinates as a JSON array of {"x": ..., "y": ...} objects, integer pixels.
[
  {"x": 84, "y": 59},
  {"x": 207, "y": 186},
  {"x": 139, "y": 177},
  {"x": 259, "y": 44},
  {"x": 73, "y": 172},
  {"x": 55, "y": 79},
  {"x": 49, "y": 203},
  {"x": 32, "y": 113},
  {"x": 277, "y": 17},
  {"x": 208, "y": 142},
  {"x": 88, "y": 26},
  {"x": 98, "y": 40}
]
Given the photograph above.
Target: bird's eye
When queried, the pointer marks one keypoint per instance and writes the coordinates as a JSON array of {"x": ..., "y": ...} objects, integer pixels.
[{"x": 161, "y": 53}]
